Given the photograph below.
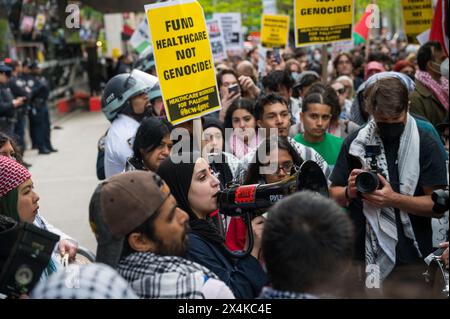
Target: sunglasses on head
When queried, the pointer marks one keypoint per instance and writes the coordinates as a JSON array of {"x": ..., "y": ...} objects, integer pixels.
[{"x": 341, "y": 91}]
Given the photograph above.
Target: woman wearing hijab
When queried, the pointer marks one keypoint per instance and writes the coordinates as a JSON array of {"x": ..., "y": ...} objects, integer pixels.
[
  {"x": 224, "y": 164},
  {"x": 195, "y": 188},
  {"x": 19, "y": 201}
]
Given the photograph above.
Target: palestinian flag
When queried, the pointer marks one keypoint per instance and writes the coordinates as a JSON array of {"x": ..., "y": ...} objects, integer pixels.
[
  {"x": 439, "y": 27},
  {"x": 361, "y": 30}
]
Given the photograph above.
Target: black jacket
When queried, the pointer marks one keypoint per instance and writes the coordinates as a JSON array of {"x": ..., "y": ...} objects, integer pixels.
[{"x": 6, "y": 102}]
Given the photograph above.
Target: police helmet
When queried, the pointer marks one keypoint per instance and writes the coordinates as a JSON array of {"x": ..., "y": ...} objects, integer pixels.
[
  {"x": 155, "y": 92},
  {"x": 151, "y": 81},
  {"x": 146, "y": 63},
  {"x": 118, "y": 91}
]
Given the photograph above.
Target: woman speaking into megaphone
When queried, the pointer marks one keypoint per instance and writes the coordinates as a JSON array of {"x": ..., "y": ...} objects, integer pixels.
[
  {"x": 274, "y": 161},
  {"x": 196, "y": 188}
]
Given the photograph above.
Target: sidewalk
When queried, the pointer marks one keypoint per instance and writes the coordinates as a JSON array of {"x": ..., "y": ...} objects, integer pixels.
[{"x": 65, "y": 180}]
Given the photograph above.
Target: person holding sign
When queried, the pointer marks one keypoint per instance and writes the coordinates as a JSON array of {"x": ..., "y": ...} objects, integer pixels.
[{"x": 184, "y": 60}]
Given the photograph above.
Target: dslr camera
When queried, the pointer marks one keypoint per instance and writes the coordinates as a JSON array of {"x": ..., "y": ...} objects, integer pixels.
[{"x": 367, "y": 182}]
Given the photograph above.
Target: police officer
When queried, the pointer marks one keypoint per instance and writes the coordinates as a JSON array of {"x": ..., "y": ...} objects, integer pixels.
[
  {"x": 8, "y": 104},
  {"x": 39, "y": 115},
  {"x": 125, "y": 103},
  {"x": 19, "y": 89}
]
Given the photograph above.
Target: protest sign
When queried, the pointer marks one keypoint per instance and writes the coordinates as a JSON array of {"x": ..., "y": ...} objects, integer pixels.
[
  {"x": 417, "y": 17},
  {"x": 217, "y": 40},
  {"x": 274, "y": 30},
  {"x": 183, "y": 57},
  {"x": 231, "y": 26},
  {"x": 322, "y": 21}
]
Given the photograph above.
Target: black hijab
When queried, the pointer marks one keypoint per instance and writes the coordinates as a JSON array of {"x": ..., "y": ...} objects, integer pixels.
[{"x": 178, "y": 177}]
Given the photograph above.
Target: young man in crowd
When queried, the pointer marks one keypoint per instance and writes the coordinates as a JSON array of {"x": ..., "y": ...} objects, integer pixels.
[
  {"x": 317, "y": 265},
  {"x": 393, "y": 220},
  {"x": 271, "y": 112}
]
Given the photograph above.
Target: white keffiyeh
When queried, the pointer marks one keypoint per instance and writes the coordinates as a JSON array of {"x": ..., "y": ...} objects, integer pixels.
[{"x": 381, "y": 230}]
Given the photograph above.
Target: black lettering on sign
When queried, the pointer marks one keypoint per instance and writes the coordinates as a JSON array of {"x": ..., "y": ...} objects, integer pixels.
[
  {"x": 178, "y": 24},
  {"x": 186, "y": 53}
]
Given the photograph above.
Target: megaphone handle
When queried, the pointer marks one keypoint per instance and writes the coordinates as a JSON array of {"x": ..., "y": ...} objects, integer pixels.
[
  {"x": 242, "y": 254},
  {"x": 248, "y": 221}
]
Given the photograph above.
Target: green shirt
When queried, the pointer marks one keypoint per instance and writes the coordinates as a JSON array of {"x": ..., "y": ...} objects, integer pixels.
[{"x": 329, "y": 148}]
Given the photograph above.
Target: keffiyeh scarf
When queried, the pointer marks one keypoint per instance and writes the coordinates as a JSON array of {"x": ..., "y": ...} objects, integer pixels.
[
  {"x": 164, "y": 277},
  {"x": 439, "y": 90},
  {"x": 381, "y": 230}
]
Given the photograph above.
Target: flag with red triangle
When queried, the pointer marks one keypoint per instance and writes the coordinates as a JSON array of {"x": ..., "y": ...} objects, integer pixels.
[
  {"x": 361, "y": 30},
  {"x": 439, "y": 27}
]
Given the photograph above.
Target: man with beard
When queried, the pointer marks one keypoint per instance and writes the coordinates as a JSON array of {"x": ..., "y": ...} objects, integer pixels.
[
  {"x": 392, "y": 222},
  {"x": 142, "y": 233}
]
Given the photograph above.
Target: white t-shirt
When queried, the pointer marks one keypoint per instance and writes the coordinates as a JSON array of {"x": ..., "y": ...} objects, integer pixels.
[{"x": 119, "y": 144}]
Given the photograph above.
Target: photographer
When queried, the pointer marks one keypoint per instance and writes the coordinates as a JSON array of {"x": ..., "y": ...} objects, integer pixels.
[{"x": 393, "y": 223}]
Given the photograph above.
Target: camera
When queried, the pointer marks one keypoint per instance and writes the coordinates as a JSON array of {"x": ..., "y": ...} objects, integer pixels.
[
  {"x": 233, "y": 89},
  {"x": 25, "y": 251},
  {"x": 440, "y": 200},
  {"x": 367, "y": 182}
]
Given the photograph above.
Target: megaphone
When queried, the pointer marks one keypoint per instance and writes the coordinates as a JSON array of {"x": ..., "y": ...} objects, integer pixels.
[
  {"x": 235, "y": 200},
  {"x": 25, "y": 252}
]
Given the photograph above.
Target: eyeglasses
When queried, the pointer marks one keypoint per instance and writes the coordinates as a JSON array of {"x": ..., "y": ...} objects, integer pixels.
[{"x": 286, "y": 167}]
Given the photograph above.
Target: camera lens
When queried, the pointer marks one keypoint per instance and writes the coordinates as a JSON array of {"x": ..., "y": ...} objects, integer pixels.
[{"x": 366, "y": 182}]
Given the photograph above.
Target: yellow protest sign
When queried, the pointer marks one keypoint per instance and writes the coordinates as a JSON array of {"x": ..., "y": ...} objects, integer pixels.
[
  {"x": 322, "y": 21},
  {"x": 417, "y": 17},
  {"x": 274, "y": 30},
  {"x": 183, "y": 58}
]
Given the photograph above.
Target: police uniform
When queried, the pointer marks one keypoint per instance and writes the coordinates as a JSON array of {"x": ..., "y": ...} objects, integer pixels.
[
  {"x": 18, "y": 87},
  {"x": 7, "y": 110},
  {"x": 39, "y": 114}
]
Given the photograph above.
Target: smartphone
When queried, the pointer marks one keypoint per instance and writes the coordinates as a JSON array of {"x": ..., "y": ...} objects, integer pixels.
[
  {"x": 277, "y": 55},
  {"x": 233, "y": 88}
]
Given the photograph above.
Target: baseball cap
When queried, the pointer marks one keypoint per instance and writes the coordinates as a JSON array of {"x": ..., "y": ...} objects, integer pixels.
[{"x": 119, "y": 205}]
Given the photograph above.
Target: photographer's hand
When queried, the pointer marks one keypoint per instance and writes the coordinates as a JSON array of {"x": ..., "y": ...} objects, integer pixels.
[
  {"x": 226, "y": 101},
  {"x": 68, "y": 247},
  {"x": 247, "y": 85},
  {"x": 352, "y": 192},
  {"x": 384, "y": 197}
]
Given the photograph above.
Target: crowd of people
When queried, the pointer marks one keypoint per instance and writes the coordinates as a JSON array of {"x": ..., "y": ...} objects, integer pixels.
[{"x": 157, "y": 221}]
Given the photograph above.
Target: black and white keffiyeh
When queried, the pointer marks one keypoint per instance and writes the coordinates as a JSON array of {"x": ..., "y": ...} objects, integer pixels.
[
  {"x": 305, "y": 152},
  {"x": 164, "y": 277},
  {"x": 270, "y": 293},
  {"x": 93, "y": 281},
  {"x": 381, "y": 230}
]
